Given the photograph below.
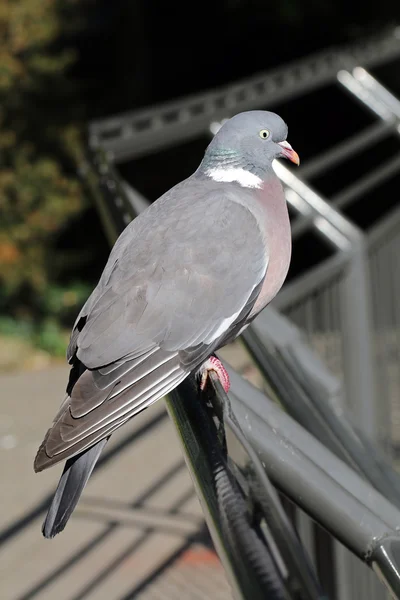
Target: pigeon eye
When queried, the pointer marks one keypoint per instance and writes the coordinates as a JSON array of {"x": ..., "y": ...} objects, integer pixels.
[{"x": 264, "y": 134}]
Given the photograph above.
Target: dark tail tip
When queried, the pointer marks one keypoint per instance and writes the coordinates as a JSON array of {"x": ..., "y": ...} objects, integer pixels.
[{"x": 76, "y": 473}]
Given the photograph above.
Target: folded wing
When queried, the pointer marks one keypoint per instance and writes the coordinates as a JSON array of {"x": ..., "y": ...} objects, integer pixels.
[{"x": 178, "y": 282}]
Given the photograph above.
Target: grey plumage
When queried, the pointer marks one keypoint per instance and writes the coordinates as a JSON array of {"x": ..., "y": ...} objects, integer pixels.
[{"x": 183, "y": 278}]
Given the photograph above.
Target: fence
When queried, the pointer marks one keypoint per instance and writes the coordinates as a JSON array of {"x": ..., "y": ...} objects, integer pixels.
[
  {"x": 348, "y": 304},
  {"x": 328, "y": 308},
  {"x": 383, "y": 251},
  {"x": 306, "y": 471},
  {"x": 352, "y": 312}
]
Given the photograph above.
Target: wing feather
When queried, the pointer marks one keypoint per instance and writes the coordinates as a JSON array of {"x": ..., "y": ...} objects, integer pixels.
[
  {"x": 179, "y": 281},
  {"x": 70, "y": 435}
]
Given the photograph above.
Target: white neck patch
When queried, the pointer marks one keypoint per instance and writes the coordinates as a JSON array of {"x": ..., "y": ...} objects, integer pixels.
[{"x": 241, "y": 176}]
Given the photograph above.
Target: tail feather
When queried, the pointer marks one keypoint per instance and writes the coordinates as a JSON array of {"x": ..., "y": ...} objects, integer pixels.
[{"x": 76, "y": 473}]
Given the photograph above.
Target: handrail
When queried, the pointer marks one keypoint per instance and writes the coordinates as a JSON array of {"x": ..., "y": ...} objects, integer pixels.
[
  {"x": 349, "y": 147},
  {"x": 241, "y": 549},
  {"x": 135, "y": 133},
  {"x": 205, "y": 460},
  {"x": 306, "y": 471},
  {"x": 142, "y": 132},
  {"x": 241, "y": 543},
  {"x": 327, "y": 489},
  {"x": 315, "y": 398},
  {"x": 330, "y": 223}
]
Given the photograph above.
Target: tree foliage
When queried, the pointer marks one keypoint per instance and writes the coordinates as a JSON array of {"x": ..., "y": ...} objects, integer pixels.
[{"x": 39, "y": 133}]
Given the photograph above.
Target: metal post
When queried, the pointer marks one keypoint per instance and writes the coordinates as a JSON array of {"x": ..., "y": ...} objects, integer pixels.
[
  {"x": 357, "y": 341},
  {"x": 355, "y": 309}
]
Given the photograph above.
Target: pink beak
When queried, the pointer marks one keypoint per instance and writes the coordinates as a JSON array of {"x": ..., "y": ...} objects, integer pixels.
[{"x": 288, "y": 152}]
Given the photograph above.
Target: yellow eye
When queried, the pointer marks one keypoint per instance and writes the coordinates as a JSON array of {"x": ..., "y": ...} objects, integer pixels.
[{"x": 264, "y": 134}]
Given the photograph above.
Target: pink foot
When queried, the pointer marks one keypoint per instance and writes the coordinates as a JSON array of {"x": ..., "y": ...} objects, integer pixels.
[{"x": 214, "y": 364}]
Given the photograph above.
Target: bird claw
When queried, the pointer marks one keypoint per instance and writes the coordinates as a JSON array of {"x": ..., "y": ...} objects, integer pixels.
[{"x": 215, "y": 365}]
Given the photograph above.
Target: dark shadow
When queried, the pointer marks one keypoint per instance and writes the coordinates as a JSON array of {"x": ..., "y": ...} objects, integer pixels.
[
  {"x": 202, "y": 537},
  {"x": 98, "y": 539},
  {"x": 20, "y": 524},
  {"x": 112, "y": 565},
  {"x": 112, "y": 525},
  {"x": 96, "y": 581}
]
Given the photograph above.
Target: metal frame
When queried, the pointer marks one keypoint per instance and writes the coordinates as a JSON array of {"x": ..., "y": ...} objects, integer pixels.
[
  {"x": 204, "y": 454},
  {"x": 304, "y": 469},
  {"x": 350, "y": 248},
  {"x": 329, "y": 491},
  {"x": 291, "y": 368},
  {"x": 156, "y": 127},
  {"x": 134, "y": 134}
]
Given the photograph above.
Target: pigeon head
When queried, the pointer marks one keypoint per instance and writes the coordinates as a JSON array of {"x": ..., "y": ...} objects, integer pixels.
[{"x": 244, "y": 147}]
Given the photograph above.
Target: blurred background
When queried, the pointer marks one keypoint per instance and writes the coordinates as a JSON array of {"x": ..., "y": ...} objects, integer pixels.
[{"x": 63, "y": 64}]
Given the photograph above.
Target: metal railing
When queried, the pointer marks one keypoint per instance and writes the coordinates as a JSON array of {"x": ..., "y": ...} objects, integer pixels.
[
  {"x": 157, "y": 127},
  {"x": 255, "y": 567},
  {"x": 352, "y": 312},
  {"x": 324, "y": 303},
  {"x": 384, "y": 252},
  {"x": 304, "y": 469},
  {"x": 347, "y": 305},
  {"x": 333, "y": 305},
  {"x": 383, "y": 242}
]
